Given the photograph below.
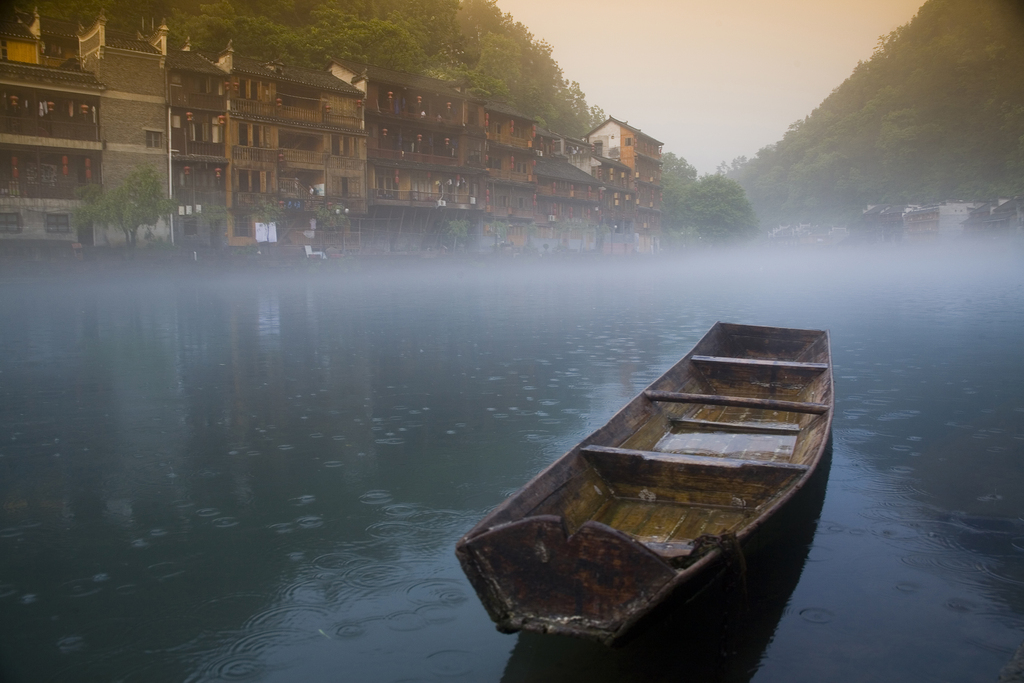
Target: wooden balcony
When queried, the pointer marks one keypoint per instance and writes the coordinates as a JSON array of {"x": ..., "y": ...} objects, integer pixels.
[
  {"x": 401, "y": 155},
  {"x": 303, "y": 157},
  {"x": 314, "y": 115},
  {"x": 510, "y": 140},
  {"x": 206, "y": 149},
  {"x": 499, "y": 174},
  {"x": 198, "y": 100},
  {"x": 44, "y": 127},
  {"x": 253, "y": 155},
  {"x": 54, "y": 190}
]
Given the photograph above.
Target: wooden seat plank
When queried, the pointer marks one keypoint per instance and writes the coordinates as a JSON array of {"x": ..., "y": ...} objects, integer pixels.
[
  {"x": 719, "y": 400},
  {"x": 682, "y": 458},
  {"x": 784, "y": 428},
  {"x": 760, "y": 362}
]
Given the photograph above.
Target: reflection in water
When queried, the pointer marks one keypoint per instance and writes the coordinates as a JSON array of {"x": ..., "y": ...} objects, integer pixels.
[{"x": 214, "y": 477}]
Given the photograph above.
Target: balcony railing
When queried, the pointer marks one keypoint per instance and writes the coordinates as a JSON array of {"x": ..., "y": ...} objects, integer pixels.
[
  {"x": 302, "y": 156},
  {"x": 55, "y": 190},
  {"x": 398, "y": 154},
  {"x": 47, "y": 128},
  {"x": 206, "y": 149},
  {"x": 205, "y": 197},
  {"x": 500, "y": 174},
  {"x": 292, "y": 113},
  {"x": 404, "y": 195},
  {"x": 261, "y": 155},
  {"x": 510, "y": 140},
  {"x": 345, "y": 163},
  {"x": 198, "y": 100},
  {"x": 252, "y": 200}
]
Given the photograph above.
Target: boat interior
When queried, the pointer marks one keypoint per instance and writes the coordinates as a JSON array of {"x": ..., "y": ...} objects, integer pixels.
[{"x": 707, "y": 448}]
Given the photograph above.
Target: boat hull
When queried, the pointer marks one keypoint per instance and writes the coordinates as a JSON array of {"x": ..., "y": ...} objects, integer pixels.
[{"x": 672, "y": 492}]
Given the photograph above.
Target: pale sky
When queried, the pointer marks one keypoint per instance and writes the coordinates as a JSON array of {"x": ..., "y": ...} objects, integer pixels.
[{"x": 712, "y": 80}]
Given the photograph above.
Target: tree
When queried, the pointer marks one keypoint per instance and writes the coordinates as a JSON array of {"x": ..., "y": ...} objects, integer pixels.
[
  {"x": 458, "y": 230},
  {"x": 717, "y": 208},
  {"x": 136, "y": 202}
]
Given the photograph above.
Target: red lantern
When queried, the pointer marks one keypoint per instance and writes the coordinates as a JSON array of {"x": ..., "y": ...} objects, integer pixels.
[
  {"x": 327, "y": 107},
  {"x": 535, "y": 201},
  {"x": 391, "y": 95},
  {"x": 50, "y": 106},
  {"x": 85, "y": 108},
  {"x": 188, "y": 170},
  {"x": 385, "y": 131},
  {"x": 221, "y": 119},
  {"x": 188, "y": 115},
  {"x": 227, "y": 85},
  {"x": 446, "y": 140},
  {"x": 396, "y": 176},
  {"x": 64, "y": 161},
  {"x": 419, "y": 138},
  {"x": 280, "y": 102},
  {"x": 449, "y": 106},
  {"x": 14, "y": 167},
  {"x": 419, "y": 99},
  {"x": 359, "y": 103},
  {"x": 511, "y": 125},
  {"x": 534, "y": 130},
  {"x": 14, "y": 100},
  {"x": 217, "y": 171},
  {"x": 280, "y": 157},
  {"x": 88, "y": 169},
  {"x": 487, "y": 120}
]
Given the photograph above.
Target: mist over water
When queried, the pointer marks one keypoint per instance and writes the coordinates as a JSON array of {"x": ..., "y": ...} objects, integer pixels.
[{"x": 262, "y": 475}]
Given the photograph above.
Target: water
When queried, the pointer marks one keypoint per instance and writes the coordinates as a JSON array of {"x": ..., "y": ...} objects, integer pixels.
[{"x": 225, "y": 477}]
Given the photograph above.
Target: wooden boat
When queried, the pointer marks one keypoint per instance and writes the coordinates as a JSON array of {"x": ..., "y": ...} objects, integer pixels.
[{"x": 667, "y": 495}]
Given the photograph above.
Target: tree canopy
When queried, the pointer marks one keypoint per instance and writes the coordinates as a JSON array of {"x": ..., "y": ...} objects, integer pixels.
[
  {"x": 473, "y": 40},
  {"x": 936, "y": 113},
  {"x": 138, "y": 201}
]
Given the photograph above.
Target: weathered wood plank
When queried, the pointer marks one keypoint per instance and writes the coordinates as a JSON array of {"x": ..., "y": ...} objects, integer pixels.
[
  {"x": 785, "y": 428},
  {"x": 761, "y": 362},
  {"x": 718, "y": 400}
]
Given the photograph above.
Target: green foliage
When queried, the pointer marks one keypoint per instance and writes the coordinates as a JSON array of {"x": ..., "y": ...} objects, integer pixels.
[
  {"x": 715, "y": 209},
  {"x": 473, "y": 40},
  {"x": 136, "y": 202},
  {"x": 268, "y": 211},
  {"x": 458, "y": 230},
  {"x": 937, "y": 113},
  {"x": 328, "y": 218}
]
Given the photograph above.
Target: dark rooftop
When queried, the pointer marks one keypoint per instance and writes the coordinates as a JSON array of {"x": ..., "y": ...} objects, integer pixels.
[
  {"x": 296, "y": 74},
  {"x": 563, "y": 170},
  {"x": 185, "y": 60},
  {"x": 401, "y": 78},
  {"x": 502, "y": 108},
  {"x": 16, "y": 29},
  {"x": 46, "y": 74}
]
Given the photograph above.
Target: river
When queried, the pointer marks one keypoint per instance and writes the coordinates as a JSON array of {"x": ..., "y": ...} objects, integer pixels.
[{"x": 261, "y": 475}]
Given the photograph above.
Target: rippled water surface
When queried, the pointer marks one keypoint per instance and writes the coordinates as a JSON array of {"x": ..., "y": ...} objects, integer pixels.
[{"x": 262, "y": 477}]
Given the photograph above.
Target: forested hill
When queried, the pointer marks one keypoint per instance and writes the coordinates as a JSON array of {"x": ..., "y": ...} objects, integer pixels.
[
  {"x": 937, "y": 113},
  {"x": 473, "y": 40}
]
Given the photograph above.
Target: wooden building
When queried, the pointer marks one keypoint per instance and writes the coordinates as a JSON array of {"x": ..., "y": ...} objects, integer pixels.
[
  {"x": 641, "y": 153},
  {"x": 425, "y": 156}
]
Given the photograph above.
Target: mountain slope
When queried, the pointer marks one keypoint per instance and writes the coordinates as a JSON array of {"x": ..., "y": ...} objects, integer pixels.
[{"x": 936, "y": 113}]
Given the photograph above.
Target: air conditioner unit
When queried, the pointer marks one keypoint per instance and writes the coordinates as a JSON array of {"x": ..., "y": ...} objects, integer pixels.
[
  {"x": 472, "y": 200},
  {"x": 441, "y": 202},
  {"x": 551, "y": 218}
]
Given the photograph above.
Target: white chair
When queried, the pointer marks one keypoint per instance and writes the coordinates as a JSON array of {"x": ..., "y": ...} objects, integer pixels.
[{"x": 310, "y": 252}]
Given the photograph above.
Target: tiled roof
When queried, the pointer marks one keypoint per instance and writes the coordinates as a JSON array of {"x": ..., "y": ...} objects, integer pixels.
[
  {"x": 626, "y": 126},
  {"x": 46, "y": 74},
  {"x": 127, "y": 41},
  {"x": 502, "y": 108},
  {"x": 563, "y": 170},
  {"x": 185, "y": 60},
  {"x": 15, "y": 29},
  {"x": 613, "y": 163},
  {"x": 401, "y": 78},
  {"x": 58, "y": 27},
  {"x": 311, "y": 77}
]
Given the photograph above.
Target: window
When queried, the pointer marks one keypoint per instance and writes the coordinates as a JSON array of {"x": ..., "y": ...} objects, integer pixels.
[
  {"x": 58, "y": 222},
  {"x": 189, "y": 227},
  {"x": 599, "y": 149},
  {"x": 154, "y": 139},
  {"x": 9, "y": 222},
  {"x": 241, "y": 227},
  {"x": 628, "y": 142}
]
